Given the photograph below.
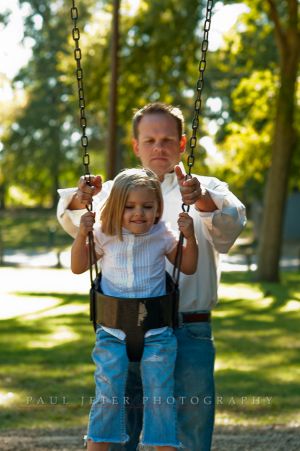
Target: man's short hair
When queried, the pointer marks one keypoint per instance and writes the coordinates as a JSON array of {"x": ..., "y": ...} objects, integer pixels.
[{"x": 158, "y": 108}]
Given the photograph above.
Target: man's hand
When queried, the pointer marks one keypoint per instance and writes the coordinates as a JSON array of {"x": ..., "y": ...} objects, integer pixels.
[
  {"x": 193, "y": 193},
  {"x": 85, "y": 192}
]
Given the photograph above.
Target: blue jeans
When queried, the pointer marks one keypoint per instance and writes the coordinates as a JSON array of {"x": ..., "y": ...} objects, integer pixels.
[
  {"x": 194, "y": 389},
  {"x": 107, "y": 415}
]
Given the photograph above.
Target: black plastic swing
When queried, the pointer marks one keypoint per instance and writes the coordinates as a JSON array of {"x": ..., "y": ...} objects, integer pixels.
[{"x": 135, "y": 316}]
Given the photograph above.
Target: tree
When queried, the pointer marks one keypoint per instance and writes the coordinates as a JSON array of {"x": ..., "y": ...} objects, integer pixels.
[
  {"x": 285, "y": 17},
  {"x": 5, "y": 107},
  {"x": 158, "y": 61},
  {"x": 43, "y": 153},
  {"x": 258, "y": 129},
  {"x": 156, "y": 53},
  {"x": 113, "y": 163}
]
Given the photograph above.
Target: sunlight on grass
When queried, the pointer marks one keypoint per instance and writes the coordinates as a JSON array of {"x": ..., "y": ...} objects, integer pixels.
[
  {"x": 291, "y": 306},
  {"x": 24, "y": 281},
  {"x": 9, "y": 398},
  {"x": 240, "y": 291},
  {"x": 246, "y": 363},
  {"x": 60, "y": 336},
  {"x": 13, "y": 306},
  {"x": 6, "y": 398},
  {"x": 69, "y": 309},
  {"x": 256, "y": 328},
  {"x": 229, "y": 312}
]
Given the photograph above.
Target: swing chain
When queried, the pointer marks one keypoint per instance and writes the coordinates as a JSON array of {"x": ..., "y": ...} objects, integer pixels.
[
  {"x": 84, "y": 138},
  {"x": 199, "y": 89},
  {"x": 81, "y": 97},
  {"x": 199, "y": 86},
  {"x": 195, "y": 125}
]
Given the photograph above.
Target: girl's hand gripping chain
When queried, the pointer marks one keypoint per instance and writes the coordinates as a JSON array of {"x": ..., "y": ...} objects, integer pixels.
[
  {"x": 79, "y": 251},
  {"x": 87, "y": 222},
  {"x": 186, "y": 225},
  {"x": 189, "y": 258}
]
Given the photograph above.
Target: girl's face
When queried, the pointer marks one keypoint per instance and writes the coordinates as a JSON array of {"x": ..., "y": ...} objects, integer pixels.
[{"x": 141, "y": 210}]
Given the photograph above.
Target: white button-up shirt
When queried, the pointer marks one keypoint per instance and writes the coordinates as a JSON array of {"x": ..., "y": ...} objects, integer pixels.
[{"x": 215, "y": 231}]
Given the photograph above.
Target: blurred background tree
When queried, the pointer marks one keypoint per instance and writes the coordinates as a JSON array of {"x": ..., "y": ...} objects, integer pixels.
[
  {"x": 249, "y": 127},
  {"x": 39, "y": 143},
  {"x": 258, "y": 129}
]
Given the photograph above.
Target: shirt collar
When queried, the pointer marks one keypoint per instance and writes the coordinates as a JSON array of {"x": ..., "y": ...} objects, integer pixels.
[{"x": 127, "y": 232}]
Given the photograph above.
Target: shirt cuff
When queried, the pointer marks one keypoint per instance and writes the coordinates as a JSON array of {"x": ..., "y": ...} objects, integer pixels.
[
  {"x": 69, "y": 219},
  {"x": 207, "y": 216},
  {"x": 217, "y": 197},
  {"x": 66, "y": 196}
]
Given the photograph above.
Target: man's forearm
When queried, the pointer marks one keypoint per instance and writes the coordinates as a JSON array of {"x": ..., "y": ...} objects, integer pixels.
[
  {"x": 75, "y": 203},
  {"x": 205, "y": 203}
]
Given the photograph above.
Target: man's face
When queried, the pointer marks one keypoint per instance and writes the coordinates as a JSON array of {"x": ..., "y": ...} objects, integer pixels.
[{"x": 158, "y": 145}]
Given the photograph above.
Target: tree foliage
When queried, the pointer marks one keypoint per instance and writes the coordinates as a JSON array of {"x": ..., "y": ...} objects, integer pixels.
[
  {"x": 158, "y": 61},
  {"x": 259, "y": 129},
  {"x": 40, "y": 143},
  {"x": 254, "y": 74}
]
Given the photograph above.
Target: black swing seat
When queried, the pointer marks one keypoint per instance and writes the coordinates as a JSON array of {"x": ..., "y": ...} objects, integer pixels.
[{"x": 134, "y": 316}]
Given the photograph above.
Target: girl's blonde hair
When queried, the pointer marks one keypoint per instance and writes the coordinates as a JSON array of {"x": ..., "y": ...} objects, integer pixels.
[{"x": 112, "y": 211}]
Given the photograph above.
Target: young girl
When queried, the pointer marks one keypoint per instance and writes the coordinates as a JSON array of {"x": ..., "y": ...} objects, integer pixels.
[{"x": 132, "y": 242}]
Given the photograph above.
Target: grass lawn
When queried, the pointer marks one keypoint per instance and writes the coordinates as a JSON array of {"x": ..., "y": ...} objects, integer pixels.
[
  {"x": 257, "y": 336},
  {"x": 46, "y": 375}
]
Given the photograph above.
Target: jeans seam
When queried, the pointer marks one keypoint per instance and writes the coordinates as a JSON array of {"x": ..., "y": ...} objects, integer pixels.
[{"x": 123, "y": 413}]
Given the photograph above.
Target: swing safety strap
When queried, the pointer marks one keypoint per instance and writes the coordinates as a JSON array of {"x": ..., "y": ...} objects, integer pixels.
[{"x": 134, "y": 316}]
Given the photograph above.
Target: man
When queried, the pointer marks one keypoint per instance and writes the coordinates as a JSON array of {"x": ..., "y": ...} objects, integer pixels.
[{"x": 219, "y": 217}]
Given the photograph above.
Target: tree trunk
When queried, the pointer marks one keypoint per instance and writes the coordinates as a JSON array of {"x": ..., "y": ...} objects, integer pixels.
[
  {"x": 3, "y": 191},
  {"x": 55, "y": 162},
  {"x": 282, "y": 151},
  {"x": 112, "y": 160}
]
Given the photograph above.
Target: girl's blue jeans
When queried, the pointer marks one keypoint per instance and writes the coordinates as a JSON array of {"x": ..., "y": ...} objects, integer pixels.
[
  {"x": 194, "y": 390},
  {"x": 107, "y": 416}
]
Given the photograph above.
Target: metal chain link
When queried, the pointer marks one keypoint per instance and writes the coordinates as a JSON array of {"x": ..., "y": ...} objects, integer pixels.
[
  {"x": 199, "y": 86},
  {"x": 199, "y": 89},
  {"x": 81, "y": 97},
  {"x": 84, "y": 139},
  {"x": 195, "y": 125}
]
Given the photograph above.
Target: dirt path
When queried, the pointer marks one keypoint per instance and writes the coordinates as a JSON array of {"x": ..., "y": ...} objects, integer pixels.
[{"x": 236, "y": 438}]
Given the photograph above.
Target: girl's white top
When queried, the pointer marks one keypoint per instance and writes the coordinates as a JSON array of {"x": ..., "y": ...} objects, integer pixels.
[{"x": 135, "y": 267}]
